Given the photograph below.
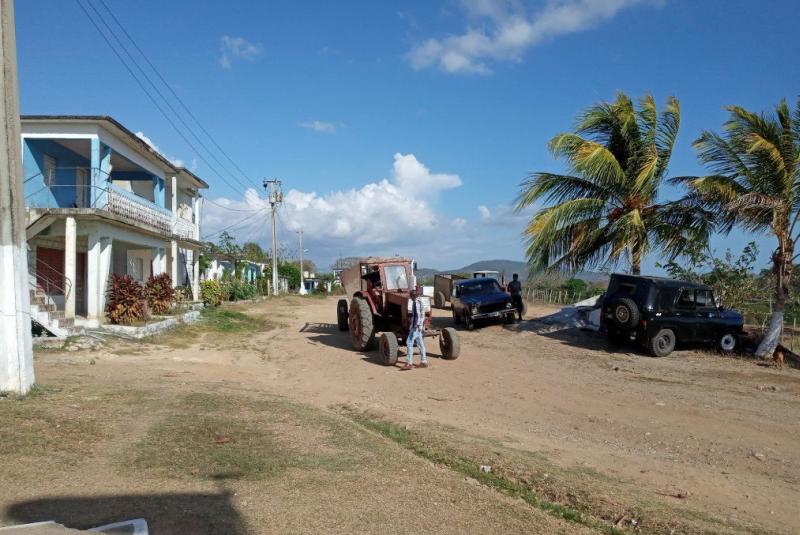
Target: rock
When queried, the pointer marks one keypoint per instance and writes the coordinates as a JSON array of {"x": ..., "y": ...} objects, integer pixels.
[
  {"x": 758, "y": 455},
  {"x": 485, "y": 468}
]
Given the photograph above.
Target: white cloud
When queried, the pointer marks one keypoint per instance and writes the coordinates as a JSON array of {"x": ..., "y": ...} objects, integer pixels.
[
  {"x": 484, "y": 212},
  {"x": 175, "y": 161},
  {"x": 233, "y": 48},
  {"x": 502, "y": 30},
  {"x": 320, "y": 126}
]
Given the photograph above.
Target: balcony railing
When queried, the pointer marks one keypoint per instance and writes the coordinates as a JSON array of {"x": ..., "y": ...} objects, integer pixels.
[
  {"x": 113, "y": 200},
  {"x": 184, "y": 229},
  {"x": 138, "y": 209}
]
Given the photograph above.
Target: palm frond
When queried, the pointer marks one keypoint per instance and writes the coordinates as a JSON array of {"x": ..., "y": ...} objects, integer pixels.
[
  {"x": 554, "y": 188},
  {"x": 589, "y": 159},
  {"x": 668, "y": 127}
]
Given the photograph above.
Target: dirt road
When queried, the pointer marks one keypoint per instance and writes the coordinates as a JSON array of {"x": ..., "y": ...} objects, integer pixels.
[{"x": 715, "y": 435}]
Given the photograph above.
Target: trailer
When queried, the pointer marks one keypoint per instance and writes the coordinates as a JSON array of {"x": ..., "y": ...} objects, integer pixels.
[{"x": 443, "y": 289}]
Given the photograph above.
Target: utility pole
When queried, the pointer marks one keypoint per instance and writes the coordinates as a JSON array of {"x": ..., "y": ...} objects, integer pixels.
[
  {"x": 16, "y": 352},
  {"x": 302, "y": 281},
  {"x": 275, "y": 198}
]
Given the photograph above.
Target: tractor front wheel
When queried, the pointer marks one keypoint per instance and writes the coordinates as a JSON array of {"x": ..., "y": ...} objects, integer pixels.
[
  {"x": 449, "y": 344},
  {"x": 362, "y": 328},
  {"x": 342, "y": 315},
  {"x": 388, "y": 346}
]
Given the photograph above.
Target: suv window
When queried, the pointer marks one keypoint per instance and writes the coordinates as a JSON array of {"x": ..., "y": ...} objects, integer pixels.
[
  {"x": 686, "y": 298},
  {"x": 704, "y": 298}
]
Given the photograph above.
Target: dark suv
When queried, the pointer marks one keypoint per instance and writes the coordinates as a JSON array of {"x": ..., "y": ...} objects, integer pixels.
[
  {"x": 658, "y": 312},
  {"x": 478, "y": 299}
]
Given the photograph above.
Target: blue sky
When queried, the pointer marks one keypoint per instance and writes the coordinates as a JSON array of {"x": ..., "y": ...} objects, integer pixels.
[{"x": 394, "y": 122}]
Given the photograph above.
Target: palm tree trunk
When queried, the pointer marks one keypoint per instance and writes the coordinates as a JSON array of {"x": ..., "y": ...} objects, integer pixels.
[{"x": 782, "y": 268}]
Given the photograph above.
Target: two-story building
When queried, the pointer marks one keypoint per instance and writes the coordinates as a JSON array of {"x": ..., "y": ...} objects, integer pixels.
[{"x": 100, "y": 200}]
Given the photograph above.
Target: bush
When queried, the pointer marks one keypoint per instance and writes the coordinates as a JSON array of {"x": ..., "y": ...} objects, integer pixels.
[
  {"x": 124, "y": 299},
  {"x": 211, "y": 292},
  {"x": 159, "y": 293},
  {"x": 236, "y": 290}
]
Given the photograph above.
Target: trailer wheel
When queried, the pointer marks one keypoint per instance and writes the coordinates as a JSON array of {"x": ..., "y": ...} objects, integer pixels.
[
  {"x": 341, "y": 315},
  {"x": 388, "y": 346},
  {"x": 439, "y": 300},
  {"x": 362, "y": 328},
  {"x": 449, "y": 344}
]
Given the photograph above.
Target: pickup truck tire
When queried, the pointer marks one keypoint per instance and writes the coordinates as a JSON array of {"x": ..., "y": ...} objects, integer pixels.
[
  {"x": 449, "y": 344},
  {"x": 362, "y": 328},
  {"x": 662, "y": 343},
  {"x": 511, "y": 318},
  {"x": 439, "y": 300},
  {"x": 456, "y": 317},
  {"x": 388, "y": 347},
  {"x": 728, "y": 342},
  {"x": 469, "y": 322},
  {"x": 341, "y": 315},
  {"x": 625, "y": 313}
]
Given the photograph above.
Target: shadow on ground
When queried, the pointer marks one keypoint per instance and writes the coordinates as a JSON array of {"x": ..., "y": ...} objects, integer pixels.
[{"x": 196, "y": 513}]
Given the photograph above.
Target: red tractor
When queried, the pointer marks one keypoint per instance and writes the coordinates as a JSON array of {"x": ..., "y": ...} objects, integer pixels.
[{"x": 380, "y": 290}]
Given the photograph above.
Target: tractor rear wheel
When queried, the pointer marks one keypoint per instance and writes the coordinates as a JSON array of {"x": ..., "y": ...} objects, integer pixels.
[
  {"x": 449, "y": 344},
  {"x": 341, "y": 314},
  {"x": 388, "y": 346},
  {"x": 362, "y": 328},
  {"x": 438, "y": 300}
]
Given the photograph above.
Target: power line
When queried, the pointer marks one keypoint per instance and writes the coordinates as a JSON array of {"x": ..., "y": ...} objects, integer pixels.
[
  {"x": 243, "y": 220},
  {"x": 174, "y": 94},
  {"x": 146, "y": 91},
  {"x": 231, "y": 209}
]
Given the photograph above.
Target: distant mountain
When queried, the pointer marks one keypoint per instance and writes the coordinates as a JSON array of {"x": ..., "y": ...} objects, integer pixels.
[{"x": 507, "y": 267}]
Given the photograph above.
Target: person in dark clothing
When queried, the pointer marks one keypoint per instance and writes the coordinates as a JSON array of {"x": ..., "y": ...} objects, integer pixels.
[{"x": 515, "y": 289}]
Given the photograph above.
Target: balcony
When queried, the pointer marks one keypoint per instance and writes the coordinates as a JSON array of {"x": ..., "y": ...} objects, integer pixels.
[
  {"x": 183, "y": 228},
  {"x": 134, "y": 209}
]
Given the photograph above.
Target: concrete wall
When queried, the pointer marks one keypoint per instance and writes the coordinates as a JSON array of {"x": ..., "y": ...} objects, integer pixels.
[{"x": 37, "y": 194}]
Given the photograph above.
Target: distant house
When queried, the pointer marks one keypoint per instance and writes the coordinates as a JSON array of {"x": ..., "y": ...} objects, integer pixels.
[{"x": 100, "y": 200}]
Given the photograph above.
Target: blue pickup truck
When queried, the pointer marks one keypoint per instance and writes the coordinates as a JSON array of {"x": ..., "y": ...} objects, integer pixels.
[{"x": 479, "y": 299}]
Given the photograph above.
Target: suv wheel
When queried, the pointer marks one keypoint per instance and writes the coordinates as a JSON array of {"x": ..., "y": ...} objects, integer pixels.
[
  {"x": 728, "y": 342},
  {"x": 625, "y": 313},
  {"x": 662, "y": 343}
]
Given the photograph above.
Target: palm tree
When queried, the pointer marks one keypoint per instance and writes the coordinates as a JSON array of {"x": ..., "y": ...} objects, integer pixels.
[
  {"x": 607, "y": 207},
  {"x": 756, "y": 185}
]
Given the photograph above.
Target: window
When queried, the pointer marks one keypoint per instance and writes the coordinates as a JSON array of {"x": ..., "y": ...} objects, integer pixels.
[
  {"x": 396, "y": 278},
  {"x": 49, "y": 170},
  {"x": 704, "y": 298},
  {"x": 686, "y": 299}
]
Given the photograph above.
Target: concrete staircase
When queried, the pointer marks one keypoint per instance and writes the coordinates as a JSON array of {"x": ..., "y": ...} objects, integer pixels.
[{"x": 45, "y": 312}]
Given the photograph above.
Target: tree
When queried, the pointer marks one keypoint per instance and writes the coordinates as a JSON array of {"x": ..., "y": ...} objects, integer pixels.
[
  {"x": 755, "y": 185},
  {"x": 254, "y": 253},
  {"x": 607, "y": 207},
  {"x": 732, "y": 279}
]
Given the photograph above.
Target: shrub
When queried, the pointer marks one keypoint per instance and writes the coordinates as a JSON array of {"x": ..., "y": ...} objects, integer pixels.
[
  {"x": 159, "y": 293},
  {"x": 124, "y": 299},
  {"x": 211, "y": 292},
  {"x": 236, "y": 290}
]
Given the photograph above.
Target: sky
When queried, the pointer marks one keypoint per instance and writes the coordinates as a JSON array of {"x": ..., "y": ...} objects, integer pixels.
[{"x": 400, "y": 126}]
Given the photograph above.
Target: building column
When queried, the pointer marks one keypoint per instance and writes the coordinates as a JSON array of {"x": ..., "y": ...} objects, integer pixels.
[
  {"x": 16, "y": 353},
  {"x": 174, "y": 266},
  {"x": 196, "y": 274},
  {"x": 198, "y": 207},
  {"x": 160, "y": 261},
  {"x": 70, "y": 266},
  {"x": 98, "y": 262},
  {"x": 174, "y": 199}
]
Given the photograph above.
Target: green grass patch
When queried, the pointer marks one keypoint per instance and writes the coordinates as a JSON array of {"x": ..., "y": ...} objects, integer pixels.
[
  {"x": 231, "y": 321},
  {"x": 412, "y": 441},
  {"x": 218, "y": 437}
]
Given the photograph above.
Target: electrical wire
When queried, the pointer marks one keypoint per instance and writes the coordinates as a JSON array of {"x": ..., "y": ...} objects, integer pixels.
[
  {"x": 239, "y": 222},
  {"x": 172, "y": 91},
  {"x": 146, "y": 91},
  {"x": 231, "y": 209}
]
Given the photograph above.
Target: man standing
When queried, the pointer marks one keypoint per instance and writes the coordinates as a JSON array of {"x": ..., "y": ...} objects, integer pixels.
[
  {"x": 416, "y": 325},
  {"x": 515, "y": 289}
]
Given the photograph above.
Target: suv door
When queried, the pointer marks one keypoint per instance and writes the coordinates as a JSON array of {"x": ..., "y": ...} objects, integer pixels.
[
  {"x": 684, "y": 315},
  {"x": 708, "y": 321}
]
